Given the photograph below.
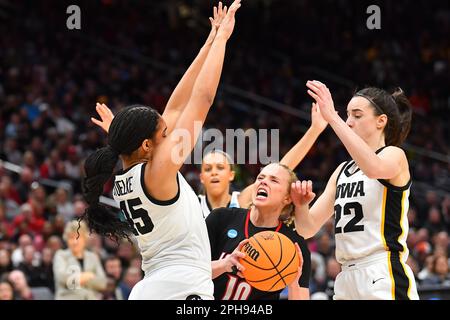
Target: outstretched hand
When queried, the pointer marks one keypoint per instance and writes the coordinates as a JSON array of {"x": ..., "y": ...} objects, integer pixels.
[
  {"x": 317, "y": 121},
  {"x": 231, "y": 261},
  {"x": 105, "y": 114},
  {"x": 319, "y": 92},
  {"x": 227, "y": 25},
  {"x": 219, "y": 14},
  {"x": 301, "y": 193}
]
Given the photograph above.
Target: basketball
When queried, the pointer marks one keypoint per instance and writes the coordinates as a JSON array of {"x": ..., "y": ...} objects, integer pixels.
[{"x": 271, "y": 261}]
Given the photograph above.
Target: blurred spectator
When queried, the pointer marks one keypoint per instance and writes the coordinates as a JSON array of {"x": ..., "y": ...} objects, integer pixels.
[
  {"x": 78, "y": 272},
  {"x": 46, "y": 269},
  {"x": 441, "y": 240},
  {"x": 79, "y": 207},
  {"x": 95, "y": 245},
  {"x": 132, "y": 276},
  {"x": 30, "y": 267},
  {"x": 434, "y": 223},
  {"x": 64, "y": 206},
  {"x": 9, "y": 198},
  {"x": 324, "y": 245},
  {"x": 17, "y": 254},
  {"x": 439, "y": 274},
  {"x": 54, "y": 243},
  {"x": 6, "y": 290},
  {"x": 5, "y": 262},
  {"x": 24, "y": 184},
  {"x": 113, "y": 268},
  {"x": 112, "y": 291},
  {"x": 21, "y": 288},
  {"x": 427, "y": 270},
  {"x": 318, "y": 272},
  {"x": 333, "y": 269}
]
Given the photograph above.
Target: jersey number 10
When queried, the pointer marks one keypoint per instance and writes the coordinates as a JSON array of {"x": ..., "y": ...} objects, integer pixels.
[{"x": 139, "y": 228}]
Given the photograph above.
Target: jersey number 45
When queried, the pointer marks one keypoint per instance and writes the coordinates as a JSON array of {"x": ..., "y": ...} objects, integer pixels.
[{"x": 144, "y": 224}]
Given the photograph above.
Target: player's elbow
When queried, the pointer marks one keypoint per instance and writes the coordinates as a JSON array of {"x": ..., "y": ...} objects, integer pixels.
[
  {"x": 372, "y": 174},
  {"x": 205, "y": 98}
]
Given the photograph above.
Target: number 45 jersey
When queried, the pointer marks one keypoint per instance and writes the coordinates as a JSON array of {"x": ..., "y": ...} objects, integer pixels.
[
  {"x": 370, "y": 216},
  {"x": 169, "y": 232}
]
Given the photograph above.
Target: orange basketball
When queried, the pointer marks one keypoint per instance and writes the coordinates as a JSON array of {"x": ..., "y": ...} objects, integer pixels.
[{"x": 271, "y": 261}]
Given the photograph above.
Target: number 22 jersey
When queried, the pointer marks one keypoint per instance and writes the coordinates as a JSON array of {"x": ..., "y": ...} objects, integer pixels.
[{"x": 370, "y": 215}]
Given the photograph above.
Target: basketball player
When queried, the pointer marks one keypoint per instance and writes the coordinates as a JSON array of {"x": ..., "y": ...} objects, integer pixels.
[
  {"x": 217, "y": 170},
  {"x": 271, "y": 209},
  {"x": 162, "y": 210},
  {"x": 368, "y": 195}
]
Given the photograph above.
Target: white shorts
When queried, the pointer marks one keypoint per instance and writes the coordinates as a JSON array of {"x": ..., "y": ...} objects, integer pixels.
[
  {"x": 174, "y": 283},
  {"x": 378, "y": 277}
]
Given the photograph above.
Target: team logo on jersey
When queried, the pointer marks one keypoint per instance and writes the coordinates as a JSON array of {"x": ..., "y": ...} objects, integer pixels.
[
  {"x": 250, "y": 251},
  {"x": 232, "y": 233}
]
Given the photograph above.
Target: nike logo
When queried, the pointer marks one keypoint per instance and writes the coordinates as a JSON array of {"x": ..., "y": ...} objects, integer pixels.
[{"x": 373, "y": 281}]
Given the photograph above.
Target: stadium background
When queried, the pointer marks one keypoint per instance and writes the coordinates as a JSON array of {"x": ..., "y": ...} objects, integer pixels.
[{"x": 135, "y": 52}]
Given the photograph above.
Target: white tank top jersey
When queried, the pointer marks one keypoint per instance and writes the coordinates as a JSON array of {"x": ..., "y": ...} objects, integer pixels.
[
  {"x": 206, "y": 207},
  {"x": 370, "y": 216},
  {"x": 168, "y": 232}
]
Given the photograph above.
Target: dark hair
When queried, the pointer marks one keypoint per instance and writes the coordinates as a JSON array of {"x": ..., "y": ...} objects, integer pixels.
[
  {"x": 129, "y": 128},
  {"x": 396, "y": 107}
]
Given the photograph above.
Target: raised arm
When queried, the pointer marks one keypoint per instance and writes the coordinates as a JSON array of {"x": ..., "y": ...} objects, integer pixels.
[
  {"x": 386, "y": 165},
  {"x": 170, "y": 154},
  {"x": 296, "y": 154},
  {"x": 309, "y": 221},
  {"x": 180, "y": 96}
]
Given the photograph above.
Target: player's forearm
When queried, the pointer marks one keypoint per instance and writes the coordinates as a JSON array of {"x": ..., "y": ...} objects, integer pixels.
[
  {"x": 205, "y": 86},
  {"x": 218, "y": 268},
  {"x": 364, "y": 156},
  {"x": 305, "y": 224},
  {"x": 296, "y": 154},
  {"x": 183, "y": 90},
  {"x": 295, "y": 292}
]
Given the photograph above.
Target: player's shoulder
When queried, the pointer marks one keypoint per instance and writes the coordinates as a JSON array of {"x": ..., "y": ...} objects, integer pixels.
[
  {"x": 391, "y": 150},
  {"x": 224, "y": 215}
]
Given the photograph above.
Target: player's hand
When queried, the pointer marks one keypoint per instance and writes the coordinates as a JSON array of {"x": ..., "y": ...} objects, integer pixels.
[
  {"x": 231, "y": 262},
  {"x": 301, "y": 193},
  {"x": 317, "y": 121},
  {"x": 219, "y": 14},
  {"x": 300, "y": 266},
  {"x": 105, "y": 114},
  {"x": 227, "y": 26},
  {"x": 319, "y": 92}
]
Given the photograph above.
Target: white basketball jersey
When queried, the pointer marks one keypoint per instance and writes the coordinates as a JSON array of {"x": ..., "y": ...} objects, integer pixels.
[
  {"x": 370, "y": 216},
  {"x": 168, "y": 232},
  {"x": 206, "y": 207}
]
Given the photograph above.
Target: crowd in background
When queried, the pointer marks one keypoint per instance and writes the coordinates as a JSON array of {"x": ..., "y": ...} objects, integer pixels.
[{"x": 51, "y": 78}]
